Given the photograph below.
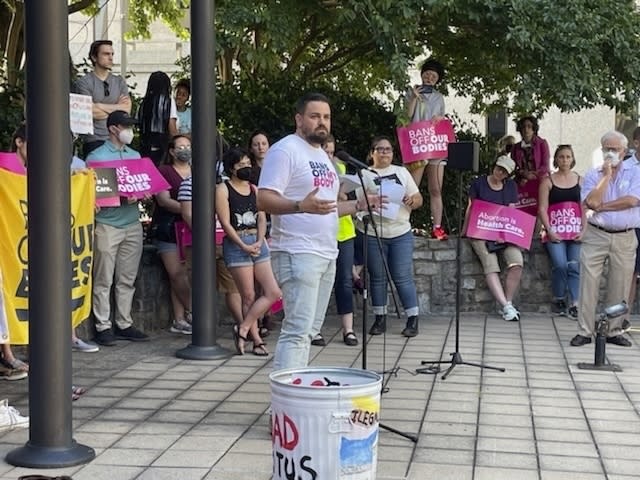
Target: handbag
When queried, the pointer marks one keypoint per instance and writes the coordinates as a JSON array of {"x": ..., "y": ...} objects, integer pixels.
[{"x": 493, "y": 246}]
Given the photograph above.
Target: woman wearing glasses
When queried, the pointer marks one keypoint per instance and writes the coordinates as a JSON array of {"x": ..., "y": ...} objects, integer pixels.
[
  {"x": 562, "y": 231},
  {"x": 164, "y": 234},
  {"x": 396, "y": 237}
]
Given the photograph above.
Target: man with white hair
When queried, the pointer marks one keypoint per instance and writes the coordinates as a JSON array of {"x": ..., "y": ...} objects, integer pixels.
[{"x": 611, "y": 198}]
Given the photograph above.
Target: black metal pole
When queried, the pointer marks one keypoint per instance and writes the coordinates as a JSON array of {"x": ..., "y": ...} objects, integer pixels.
[
  {"x": 205, "y": 317},
  {"x": 50, "y": 442}
]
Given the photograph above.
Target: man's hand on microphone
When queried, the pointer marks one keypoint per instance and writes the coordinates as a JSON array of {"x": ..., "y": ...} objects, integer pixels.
[{"x": 312, "y": 204}]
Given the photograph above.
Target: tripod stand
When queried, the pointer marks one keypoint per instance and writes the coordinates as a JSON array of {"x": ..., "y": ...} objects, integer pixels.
[
  {"x": 456, "y": 356},
  {"x": 365, "y": 293}
]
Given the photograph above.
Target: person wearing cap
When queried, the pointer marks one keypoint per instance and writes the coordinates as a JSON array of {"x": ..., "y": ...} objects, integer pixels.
[
  {"x": 498, "y": 188},
  {"x": 118, "y": 243},
  {"x": 108, "y": 92},
  {"x": 611, "y": 197},
  {"x": 424, "y": 102}
]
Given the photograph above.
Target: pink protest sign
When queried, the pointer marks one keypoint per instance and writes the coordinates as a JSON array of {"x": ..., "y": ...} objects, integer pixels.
[
  {"x": 490, "y": 221},
  {"x": 136, "y": 177},
  {"x": 528, "y": 197},
  {"x": 184, "y": 236},
  {"x": 425, "y": 140},
  {"x": 565, "y": 219},
  {"x": 11, "y": 162}
]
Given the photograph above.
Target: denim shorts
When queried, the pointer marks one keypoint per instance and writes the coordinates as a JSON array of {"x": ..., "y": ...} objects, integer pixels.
[
  {"x": 164, "y": 247},
  {"x": 234, "y": 256}
]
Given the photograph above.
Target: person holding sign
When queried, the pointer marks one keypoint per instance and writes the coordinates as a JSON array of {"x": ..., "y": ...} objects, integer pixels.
[
  {"x": 424, "y": 102},
  {"x": 118, "y": 243},
  {"x": 560, "y": 212},
  {"x": 500, "y": 189},
  {"x": 394, "y": 228},
  {"x": 611, "y": 193}
]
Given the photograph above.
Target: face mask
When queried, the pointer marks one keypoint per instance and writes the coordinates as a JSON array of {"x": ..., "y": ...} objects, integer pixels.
[
  {"x": 244, "y": 173},
  {"x": 183, "y": 155},
  {"x": 125, "y": 136}
]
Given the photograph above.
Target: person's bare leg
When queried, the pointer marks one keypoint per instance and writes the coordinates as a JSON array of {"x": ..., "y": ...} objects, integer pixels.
[
  {"x": 495, "y": 287},
  {"x": 417, "y": 175},
  {"x": 512, "y": 282},
  {"x": 347, "y": 323},
  {"x": 435, "y": 176}
]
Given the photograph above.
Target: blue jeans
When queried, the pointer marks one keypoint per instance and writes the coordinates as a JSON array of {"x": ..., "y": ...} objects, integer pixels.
[
  {"x": 306, "y": 281},
  {"x": 565, "y": 269},
  {"x": 398, "y": 252},
  {"x": 344, "y": 277}
]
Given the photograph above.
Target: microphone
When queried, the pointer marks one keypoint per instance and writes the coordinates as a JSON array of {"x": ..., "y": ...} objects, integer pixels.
[{"x": 354, "y": 162}]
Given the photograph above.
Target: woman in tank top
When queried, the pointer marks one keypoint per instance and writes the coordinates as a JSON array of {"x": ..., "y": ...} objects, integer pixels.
[
  {"x": 560, "y": 213},
  {"x": 244, "y": 249}
]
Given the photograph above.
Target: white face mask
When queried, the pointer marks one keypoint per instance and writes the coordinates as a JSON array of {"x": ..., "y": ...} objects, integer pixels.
[{"x": 126, "y": 136}]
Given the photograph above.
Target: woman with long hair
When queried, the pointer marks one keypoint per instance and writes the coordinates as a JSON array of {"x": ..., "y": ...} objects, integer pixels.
[
  {"x": 562, "y": 186},
  {"x": 167, "y": 212},
  {"x": 157, "y": 117}
]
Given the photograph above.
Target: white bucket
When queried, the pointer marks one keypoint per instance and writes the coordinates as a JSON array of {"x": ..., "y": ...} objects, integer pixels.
[{"x": 322, "y": 432}]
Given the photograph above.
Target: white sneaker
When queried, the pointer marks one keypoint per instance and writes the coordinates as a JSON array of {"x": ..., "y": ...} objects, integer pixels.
[
  {"x": 10, "y": 418},
  {"x": 510, "y": 313},
  {"x": 181, "y": 326},
  {"x": 79, "y": 345}
]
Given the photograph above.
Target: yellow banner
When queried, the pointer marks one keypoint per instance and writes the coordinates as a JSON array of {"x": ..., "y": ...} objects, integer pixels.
[{"x": 14, "y": 252}]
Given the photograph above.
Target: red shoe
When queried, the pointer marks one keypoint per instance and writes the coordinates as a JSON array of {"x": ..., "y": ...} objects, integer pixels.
[{"x": 439, "y": 234}]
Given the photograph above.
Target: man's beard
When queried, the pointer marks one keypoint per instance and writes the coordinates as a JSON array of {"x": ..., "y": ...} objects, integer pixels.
[{"x": 318, "y": 136}]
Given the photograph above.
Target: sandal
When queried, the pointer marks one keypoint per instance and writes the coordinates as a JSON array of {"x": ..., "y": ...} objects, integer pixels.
[
  {"x": 236, "y": 340},
  {"x": 77, "y": 392},
  {"x": 260, "y": 350},
  {"x": 16, "y": 364},
  {"x": 350, "y": 339}
]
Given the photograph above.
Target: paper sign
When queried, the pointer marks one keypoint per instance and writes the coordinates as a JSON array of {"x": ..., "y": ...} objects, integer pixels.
[
  {"x": 107, "y": 194},
  {"x": 348, "y": 183},
  {"x": 528, "y": 197},
  {"x": 10, "y": 161},
  {"x": 81, "y": 113},
  {"x": 425, "y": 140},
  {"x": 565, "y": 219},
  {"x": 394, "y": 193},
  {"x": 136, "y": 177},
  {"x": 490, "y": 221}
]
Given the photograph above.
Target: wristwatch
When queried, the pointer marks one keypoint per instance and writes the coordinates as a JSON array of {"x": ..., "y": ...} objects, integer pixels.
[{"x": 296, "y": 207}]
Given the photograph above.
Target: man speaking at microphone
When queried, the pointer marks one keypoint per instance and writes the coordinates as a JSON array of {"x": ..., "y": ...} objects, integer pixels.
[
  {"x": 299, "y": 188},
  {"x": 611, "y": 197}
]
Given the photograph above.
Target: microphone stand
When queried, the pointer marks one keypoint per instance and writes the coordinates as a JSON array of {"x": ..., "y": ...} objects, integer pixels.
[{"x": 365, "y": 292}]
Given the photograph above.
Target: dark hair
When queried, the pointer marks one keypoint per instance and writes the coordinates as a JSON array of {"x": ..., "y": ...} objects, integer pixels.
[
  {"x": 254, "y": 134},
  {"x": 636, "y": 134},
  {"x": 155, "y": 108},
  {"x": 530, "y": 118},
  {"x": 184, "y": 83},
  {"x": 301, "y": 104},
  {"x": 330, "y": 139},
  {"x": 558, "y": 150},
  {"x": 168, "y": 159},
  {"x": 433, "y": 65},
  {"x": 231, "y": 157},
  {"x": 20, "y": 133},
  {"x": 95, "y": 47},
  {"x": 374, "y": 142}
]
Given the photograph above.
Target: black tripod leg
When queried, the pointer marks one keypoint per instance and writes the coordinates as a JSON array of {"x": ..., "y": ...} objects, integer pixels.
[{"x": 413, "y": 438}]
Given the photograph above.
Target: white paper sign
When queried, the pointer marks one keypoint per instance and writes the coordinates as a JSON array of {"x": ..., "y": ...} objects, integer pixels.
[{"x": 81, "y": 113}]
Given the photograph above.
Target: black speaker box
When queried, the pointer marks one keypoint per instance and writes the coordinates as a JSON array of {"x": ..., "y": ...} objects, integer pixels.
[{"x": 464, "y": 156}]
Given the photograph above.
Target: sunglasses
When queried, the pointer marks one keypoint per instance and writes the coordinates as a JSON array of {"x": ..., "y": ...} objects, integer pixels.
[{"x": 105, "y": 85}]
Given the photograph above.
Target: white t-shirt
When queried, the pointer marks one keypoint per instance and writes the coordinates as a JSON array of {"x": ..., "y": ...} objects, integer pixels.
[
  {"x": 294, "y": 168},
  {"x": 388, "y": 228}
]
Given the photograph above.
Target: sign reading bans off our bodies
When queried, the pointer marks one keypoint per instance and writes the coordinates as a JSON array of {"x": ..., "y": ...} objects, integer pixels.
[
  {"x": 14, "y": 260},
  {"x": 136, "y": 177},
  {"x": 425, "y": 140}
]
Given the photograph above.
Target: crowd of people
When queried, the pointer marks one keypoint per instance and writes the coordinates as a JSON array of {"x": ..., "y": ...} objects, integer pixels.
[{"x": 292, "y": 231}]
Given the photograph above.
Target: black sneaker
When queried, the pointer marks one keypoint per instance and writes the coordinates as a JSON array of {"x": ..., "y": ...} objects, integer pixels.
[
  {"x": 379, "y": 326},
  {"x": 580, "y": 340},
  {"x": 132, "y": 334},
  {"x": 105, "y": 338},
  {"x": 619, "y": 340},
  {"x": 559, "y": 307},
  {"x": 572, "y": 312},
  {"x": 411, "y": 330}
]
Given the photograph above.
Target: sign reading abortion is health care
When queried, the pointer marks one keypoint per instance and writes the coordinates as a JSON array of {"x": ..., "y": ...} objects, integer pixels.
[
  {"x": 565, "y": 219},
  {"x": 490, "y": 221},
  {"x": 136, "y": 177},
  {"x": 425, "y": 140}
]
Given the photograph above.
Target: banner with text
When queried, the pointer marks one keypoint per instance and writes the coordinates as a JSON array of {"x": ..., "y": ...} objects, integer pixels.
[
  {"x": 565, "y": 219},
  {"x": 528, "y": 197},
  {"x": 81, "y": 113},
  {"x": 107, "y": 194},
  {"x": 490, "y": 221},
  {"x": 14, "y": 260},
  {"x": 136, "y": 176},
  {"x": 10, "y": 161},
  {"x": 425, "y": 140}
]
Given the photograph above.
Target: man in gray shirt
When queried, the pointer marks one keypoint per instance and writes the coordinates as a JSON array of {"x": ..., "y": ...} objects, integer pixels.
[{"x": 109, "y": 93}]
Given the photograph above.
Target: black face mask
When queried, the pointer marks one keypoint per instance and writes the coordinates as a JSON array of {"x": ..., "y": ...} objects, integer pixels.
[{"x": 244, "y": 173}]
